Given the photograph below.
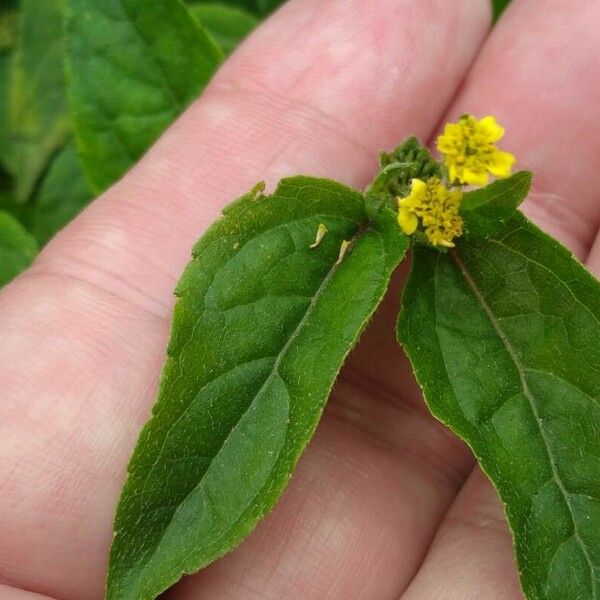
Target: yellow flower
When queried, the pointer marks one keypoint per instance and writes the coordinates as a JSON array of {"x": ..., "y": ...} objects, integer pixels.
[
  {"x": 436, "y": 207},
  {"x": 470, "y": 153}
]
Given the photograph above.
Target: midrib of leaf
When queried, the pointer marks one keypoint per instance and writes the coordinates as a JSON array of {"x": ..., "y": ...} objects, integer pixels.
[
  {"x": 527, "y": 393},
  {"x": 274, "y": 372}
]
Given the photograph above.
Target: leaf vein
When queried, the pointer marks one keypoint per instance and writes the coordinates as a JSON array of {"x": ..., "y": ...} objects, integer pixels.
[
  {"x": 532, "y": 402},
  {"x": 270, "y": 377}
]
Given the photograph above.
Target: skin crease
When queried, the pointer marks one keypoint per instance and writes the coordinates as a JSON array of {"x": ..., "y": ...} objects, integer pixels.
[{"x": 379, "y": 507}]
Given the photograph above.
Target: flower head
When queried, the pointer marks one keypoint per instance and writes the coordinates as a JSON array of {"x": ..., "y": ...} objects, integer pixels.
[
  {"x": 435, "y": 207},
  {"x": 470, "y": 153}
]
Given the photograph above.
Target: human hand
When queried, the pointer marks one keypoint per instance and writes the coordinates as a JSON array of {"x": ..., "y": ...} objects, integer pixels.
[{"x": 386, "y": 502}]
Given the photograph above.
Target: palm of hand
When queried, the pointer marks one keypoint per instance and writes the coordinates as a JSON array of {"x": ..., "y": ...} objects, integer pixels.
[{"x": 386, "y": 503}]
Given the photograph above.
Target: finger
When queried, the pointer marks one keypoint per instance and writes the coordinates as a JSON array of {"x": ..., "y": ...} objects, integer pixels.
[
  {"x": 539, "y": 73},
  {"x": 91, "y": 336},
  {"x": 593, "y": 260},
  {"x": 8, "y": 593},
  {"x": 471, "y": 556}
]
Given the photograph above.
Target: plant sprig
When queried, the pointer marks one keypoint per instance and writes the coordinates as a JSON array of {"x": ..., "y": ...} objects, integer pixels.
[{"x": 500, "y": 322}]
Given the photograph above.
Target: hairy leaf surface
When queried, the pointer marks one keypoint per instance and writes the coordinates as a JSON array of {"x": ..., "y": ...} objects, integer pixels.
[
  {"x": 133, "y": 67},
  {"x": 504, "y": 337},
  {"x": 260, "y": 331},
  {"x": 17, "y": 248}
]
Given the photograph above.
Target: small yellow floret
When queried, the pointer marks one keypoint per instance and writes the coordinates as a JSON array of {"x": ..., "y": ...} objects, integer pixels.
[
  {"x": 470, "y": 152},
  {"x": 436, "y": 207}
]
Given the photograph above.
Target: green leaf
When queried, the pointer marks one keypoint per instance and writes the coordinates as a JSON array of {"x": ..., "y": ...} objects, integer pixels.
[
  {"x": 133, "y": 67},
  {"x": 498, "y": 7},
  {"x": 486, "y": 210},
  {"x": 260, "y": 331},
  {"x": 63, "y": 193},
  {"x": 5, "y": 59},
  {"x": 8, "y": 24},
  {"x": 38, "y": 105},
  {"x": 17, "y": 248},
  {"x": 260, "y": 8},
  {"x": 8, "y": 204},
  {"x": 229, "y": 26},
  {"x": 504, "y": 337}
]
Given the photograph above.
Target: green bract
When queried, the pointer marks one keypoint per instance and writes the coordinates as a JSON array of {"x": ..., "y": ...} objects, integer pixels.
[
  {"x": 486, "y": 210},
  {"x": 262, "y": 325}
]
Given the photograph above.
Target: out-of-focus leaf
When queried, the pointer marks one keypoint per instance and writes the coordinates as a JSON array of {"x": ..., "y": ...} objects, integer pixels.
[
  {"x": 4, "y": 120},
  {"x": 261, "y": 8},
  {"x": 21, "y": 212},
  {"x": 229, "y": 26},
  {"x": 8, "y": 24},
  {"x": 39, "y": 121},
  {"x": 63, "y": 193},
  {"x": 133, "y": 67},
  {"x": 17, "y": 248}
]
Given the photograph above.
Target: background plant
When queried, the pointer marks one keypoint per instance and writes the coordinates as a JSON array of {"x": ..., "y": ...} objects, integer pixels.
[{"x": 74, "y": 116}]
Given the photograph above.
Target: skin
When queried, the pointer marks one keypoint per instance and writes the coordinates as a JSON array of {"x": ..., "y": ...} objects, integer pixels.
[{"x": 386, "y": 503}]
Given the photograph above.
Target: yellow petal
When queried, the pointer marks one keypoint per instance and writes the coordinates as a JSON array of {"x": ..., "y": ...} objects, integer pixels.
[
  {"x": 444, "y": 144},
  {"x": 490, "y": 129},
  {"x": 452, "y": 173},
  {"x": 455, "y": 197},
  {"x": 407, "y": 220},
  {"x": 453, "y": 130},
  {"x": 418, "y": 188},
  {"x": 500, "y": 164},
  {"x": 474, "y": 177}
]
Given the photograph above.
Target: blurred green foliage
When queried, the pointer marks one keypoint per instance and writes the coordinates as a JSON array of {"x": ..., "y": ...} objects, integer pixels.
[{"x": 86, "y": 86}]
